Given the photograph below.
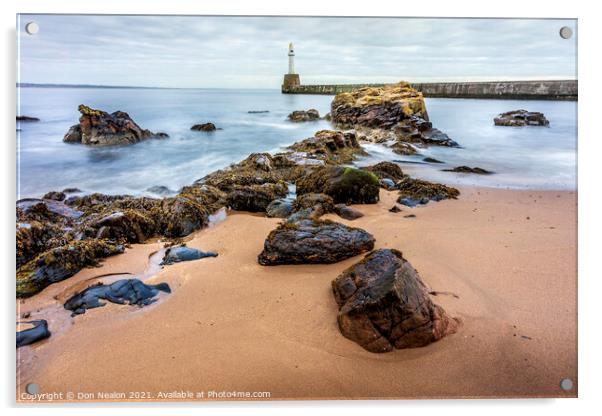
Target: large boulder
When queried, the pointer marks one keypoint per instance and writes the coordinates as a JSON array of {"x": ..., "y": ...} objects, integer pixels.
[
  {"x": 519, "y": 118},
  {"x": 313, "y": 241},
  {"x": 344, "y": 184},
  {"x": 414, "y": 192},
  {"x": 302, "y": 115},
  {"x": 255, "y": 198},
  {"x": 383, "y": 304},
  {"x": 99, "y": 128},
  {"x": 378, "y": 107},
  {"x": 330, "y": 147}
]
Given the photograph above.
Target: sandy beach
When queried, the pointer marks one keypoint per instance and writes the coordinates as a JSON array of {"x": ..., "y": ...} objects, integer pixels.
[{"x": 502, "y": 261}]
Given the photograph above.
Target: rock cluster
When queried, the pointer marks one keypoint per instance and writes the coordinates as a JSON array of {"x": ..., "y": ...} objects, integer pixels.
[
  {"x": 99, "y": 128},
  {"x": 521, "y": 118},
  {"x": 383, "y": 304}
]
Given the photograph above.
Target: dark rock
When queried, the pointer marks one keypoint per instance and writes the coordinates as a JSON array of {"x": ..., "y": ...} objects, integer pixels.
[
  {"x": 131, "y": 226},
  {"x": 345, "y": 185},
  {"x": 60, "y": 263},
  {"x": 182, "y": 216},
  {"x": 99, "y": 128},
  {"x": 123, "y": 292},
  {"x": 258, "y": 111},
  {"x": 279, "y": 208},
  {"x": 403, "y": 148},
  {"x": 161, "y": 135},
  {"x": 27, "y": 118},
  {"x": 383, "y": 304},
  {"x": 466, "y": 169},
  {"x": 416, "y": 129},
  {"x": 71, "y": 190},
  {"x": 330, "y": 146},
  {"x": 431, "y": 160},
  {"x": 413, "y": 192},
  {"x": 410, "y": 216},
  {"x": 204, "y": 127},
  {"x": 521, "y": 118},
  {"x": 160, "y": 190},
  {"x": 255, "y": 198},
  {"x": 386, "y": 170},
  {"x": 395, "y": 209},
  {"x": 313, "y": 201},
  {"x": 55, "y": 196},
  {"x": 300, "y": 115},
  {"x": 387, "y": 183},
  {"x": 179, "y": 253},
  {"x": 37, "y": 333},
  {"x": 347, "y": 212},
  {"x": 313, "y": 241}
]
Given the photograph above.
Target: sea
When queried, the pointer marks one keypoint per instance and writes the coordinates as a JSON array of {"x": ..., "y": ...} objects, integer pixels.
[{"x": 256, "y": 121}]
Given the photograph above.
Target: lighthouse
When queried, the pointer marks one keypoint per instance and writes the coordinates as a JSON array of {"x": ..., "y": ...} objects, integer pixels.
[{"x": 291, "y": 79}]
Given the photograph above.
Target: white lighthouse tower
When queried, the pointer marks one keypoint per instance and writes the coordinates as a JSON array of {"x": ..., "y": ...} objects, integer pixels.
[
  {"x": 291, "y": 80},
  {"x": 291, "y": 59}
]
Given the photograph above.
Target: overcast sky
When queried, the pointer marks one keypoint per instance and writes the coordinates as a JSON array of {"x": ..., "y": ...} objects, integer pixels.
[{"x": 251, "y": 52}]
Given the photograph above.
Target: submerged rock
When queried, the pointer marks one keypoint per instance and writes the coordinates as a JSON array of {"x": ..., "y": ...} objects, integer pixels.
[
  {"x": 27, "y": 118},
  {"x": 312, "y": 241},
  {"x": 204, "y": 127},
  {"x": 381, "y": 107},
  {"x": 60, "y": 263},
  {"x": 383, "y": 304},
  {"x": 521, "y": 118},
  {"x": 301, "y": 115},
  {"x": 344, "y": 184},
  {"x": 99, "y": 128},
  {"x": 179, "y": 253},
  {"x": 126, "y": 291},
  {"x": 431, "y": 160},
  {"x": 38, "y": 332},
  {"x": 467, "y": 169},
  {"x": 413, "y": 192},
  {"x": 160, "y": 190}
]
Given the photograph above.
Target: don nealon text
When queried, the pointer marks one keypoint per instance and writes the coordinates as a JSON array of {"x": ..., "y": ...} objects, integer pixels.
[{"x": 139, "y": 395}]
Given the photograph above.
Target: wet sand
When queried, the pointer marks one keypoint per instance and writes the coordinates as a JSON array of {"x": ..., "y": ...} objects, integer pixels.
[{"x": 504, "y": 262}]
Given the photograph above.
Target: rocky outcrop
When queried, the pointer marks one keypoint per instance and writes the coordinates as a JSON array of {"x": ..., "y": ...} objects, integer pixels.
[
  {"x": 413, "y": 192},
  {"x": 377, "y": 107},
  {"x": 383, "y": 305},
  {"x": 386, "y": 170},
  {"x": 255, "y": 198},
  {"x": 344, "y": 184},
  {"x": 204, "y": 127},
  {"x": 302, "y": 115},
  {"x": 99, "y": 128},
  {"x": 180, "y": 252},
  {"x": 37, "y": 332},
  {"x": 312, "y": 241},
  {"x": 416, "y": 129},
  {"x": 330, "y": 147},
  {"x": 519, "y": 118},
  {"x": 123, "y": 292},
  {"x": 467, "y": 169}
]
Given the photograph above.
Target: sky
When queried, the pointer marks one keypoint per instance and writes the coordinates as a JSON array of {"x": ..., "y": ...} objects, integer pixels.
[{"x": 251, "y": 52}]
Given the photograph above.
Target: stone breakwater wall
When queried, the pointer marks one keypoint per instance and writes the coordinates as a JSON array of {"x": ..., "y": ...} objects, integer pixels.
[{"x": 523, "y": 90}]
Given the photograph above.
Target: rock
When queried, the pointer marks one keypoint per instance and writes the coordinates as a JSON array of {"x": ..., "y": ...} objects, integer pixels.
[
  {"x": 27, "y": 118},
  {"x": 160, "y": 190},
  {"x": 410, "y": 216},
  {"x": 123, "y": 292},
  {"x": 257, "y": 111},
  {"x": 55, "y": 196},
  {"x": 466, "y": 169},
  {"x": 255, "y": 198},
  {"x": 38, "y": 332},
  {"x": 383, "y": 304},
  {"x": 279, "y": 208},
  {"x": 182, "y": 216},
  {"x": 99, "y": 128},
  {"x": 403, "y": 148},
  {"x": 521, "y": 118},
  {"x": 386, "y": 170},
  {"x": 345, "y": 185},
  {"x": 431, "y": 160},
  {"x": 347, "y": 212},
  {"x": 416, "y": 191},
  {"x": 126, "y": 226},
  {"x": 179, "y": 253},
  {"x": 330, "y": 146},
  {"x": 71, "y": 190},
  {"x": 381, "y": 107},
  {"x": 416, "y": 129},
  {"x": 314, "y": 201},
  {"x": 312, "y": 241},
  {"x": 300, "y": 115},
  {"x": 395, "y": 209},
  {"x": 60, "y": 263},
  {"x": 387, "y": 183},
  {"x": 161, "y": 135},
  {"x": 204, "y": 127}
]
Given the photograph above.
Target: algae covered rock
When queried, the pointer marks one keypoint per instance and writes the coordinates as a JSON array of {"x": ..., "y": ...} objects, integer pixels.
[
  {"x": 378, "y": 107},
  {"x": 383, "y": 304},
  {"x": 344, "y": 184},
  {"x": 279, "y": 208},
  {"x": 414, "y": 192},
  {"x": 62, "y": 262},
  {"x": 255, "y": 198},
  {"x": 312, "y": 241},
  {"x": 519, "y": 118},
  {"x": 302, "y": 115},
  {"x": 330, "y": 146},
  {"x": 99, "y": 128},
  {"x": 386, "y": 170}
]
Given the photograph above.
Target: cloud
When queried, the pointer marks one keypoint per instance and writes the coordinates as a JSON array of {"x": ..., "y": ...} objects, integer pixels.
[{"x": 250, "y": 52}]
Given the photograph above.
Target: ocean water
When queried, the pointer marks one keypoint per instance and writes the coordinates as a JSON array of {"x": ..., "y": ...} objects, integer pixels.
[{"x": 531, "y": 157}]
